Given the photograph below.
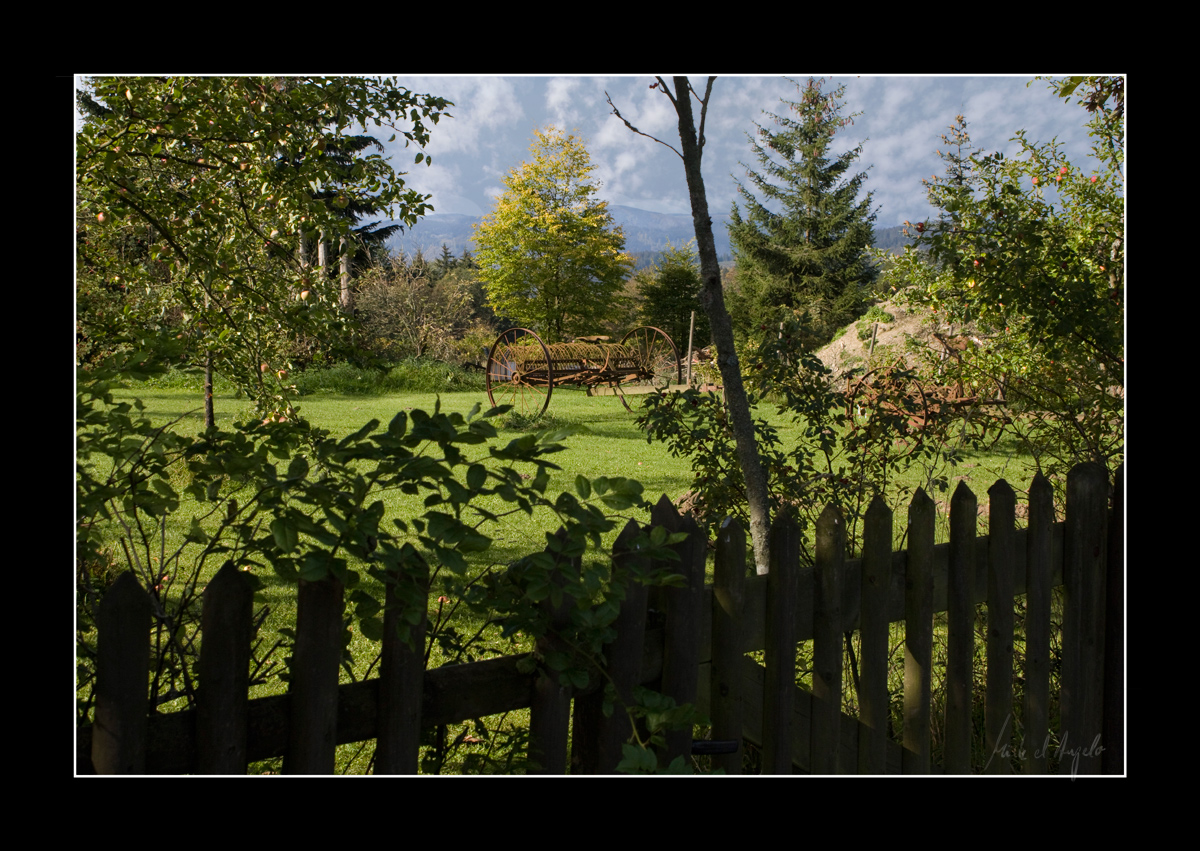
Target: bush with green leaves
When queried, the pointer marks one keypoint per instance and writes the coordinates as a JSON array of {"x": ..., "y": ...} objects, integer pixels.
[
  {"x": 198, "y": 200},
  {"x": 846, "y": 453},
  {"x": 286, "y": 497},
  {"x": 1030, "y": 252}
]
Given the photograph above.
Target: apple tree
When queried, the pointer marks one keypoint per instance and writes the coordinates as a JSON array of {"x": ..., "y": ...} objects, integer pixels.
[
  {"x": 195, "y": 195},
  {"x": 1029, "y": 251}
]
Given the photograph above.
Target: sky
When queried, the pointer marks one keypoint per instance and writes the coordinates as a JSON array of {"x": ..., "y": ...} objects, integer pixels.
[
  {"x": 900, "y": 127},
  {"x": 897, "y": 119}
]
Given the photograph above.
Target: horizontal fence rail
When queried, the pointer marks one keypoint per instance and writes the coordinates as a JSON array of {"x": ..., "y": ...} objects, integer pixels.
[{"x": 698, "y": 656}]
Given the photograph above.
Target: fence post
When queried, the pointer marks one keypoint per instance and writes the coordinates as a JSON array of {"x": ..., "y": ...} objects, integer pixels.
[
  {"x": 729, "y": 598},
  {"x": 316, "y": 659},
  {"x": 998, "y": 720},
  {"x": 681, "y": 645},
  {"x": 119, "y": 733},
  {"x": 1038, "y": 597},
  {"x": 222, "y": 697},
  {"x": 780, "y": 684},
  {"x": 825, "y": 740},
  {"x": 918, "y": 634},
  {"x": 1113, "y": 758},
  {"x": 402, "y": 668},
  {"x": 1084, "y": 559},
  {"x": 596, "y": 744},
  {"x": 960, "y": 629},
  {"x": 550, "y": 712},
  {"x": 873, "y": 628}
]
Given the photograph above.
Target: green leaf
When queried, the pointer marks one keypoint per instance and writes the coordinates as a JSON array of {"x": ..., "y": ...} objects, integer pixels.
[
  {"x": 285, "y": 535},
  {"x": 372, "y": 628},
  {"x": 583, "y": 487}
]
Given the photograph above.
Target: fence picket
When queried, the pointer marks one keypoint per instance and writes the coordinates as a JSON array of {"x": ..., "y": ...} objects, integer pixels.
[
  {"x": 874, "y": 706},
  {"x": 960, "y": 630},
  {"x": 224, "y": 667},
  {"x": 729, "y": 598},
  {"x": 316, "y": 660},
  {"x": 998, "y": 720},
  {"x": 1038, "y": 598},
  {"x": 795, "y": 727},
  {"x": 782, "y": 604},
  {"x": 1083, "y": 619},
  {"x": 550, "y": 713},
  {"x": 402, "y": 672},
  {"x": 918, "y": 633},
  {"x": 1113, "y": 758},
  {"x": 119, "y": 736},
  {"x": 827, "y": 641},
  {"x": 681, "y": 646},
  {"x": 596, "y": 744}
]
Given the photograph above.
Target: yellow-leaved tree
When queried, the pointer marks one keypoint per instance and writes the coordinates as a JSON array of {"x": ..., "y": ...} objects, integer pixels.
[{"x": 549, "y": 254}]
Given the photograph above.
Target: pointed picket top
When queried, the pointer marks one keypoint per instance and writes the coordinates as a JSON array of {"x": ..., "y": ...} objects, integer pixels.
[
  {"x": 920, "y": 498},
  {"x": 1040, "y": 485},
  {"x": 1002, "y": 496},
  {"x": 878, "y": 508},
  {"x": 962, "y": 493},
  {"x": 665, "y": 514},
  {"x": 831, "y": 519}
]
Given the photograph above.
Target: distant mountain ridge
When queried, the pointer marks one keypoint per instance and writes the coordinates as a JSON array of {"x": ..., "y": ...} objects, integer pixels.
[{"x": 646, "y": 234}]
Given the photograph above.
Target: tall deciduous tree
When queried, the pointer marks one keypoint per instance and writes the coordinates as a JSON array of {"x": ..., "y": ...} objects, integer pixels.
[
  {"x": 670, "y": 293},
  {"x": 803, "y": 244},
  {"x": 712, "y": 298},
  {"x": 549, "y": 253},
  {"x": 219, "y": 179}
]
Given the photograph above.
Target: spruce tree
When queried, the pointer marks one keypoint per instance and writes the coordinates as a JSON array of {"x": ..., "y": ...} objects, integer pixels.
[{"x": 811, "y": 256}]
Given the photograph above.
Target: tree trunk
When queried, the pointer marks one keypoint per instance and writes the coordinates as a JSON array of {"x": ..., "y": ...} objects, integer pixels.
[
  {"x": 713, "y": 300},
  {"x": 346, "y": 302},
  {"x": 209, "y": 419}
]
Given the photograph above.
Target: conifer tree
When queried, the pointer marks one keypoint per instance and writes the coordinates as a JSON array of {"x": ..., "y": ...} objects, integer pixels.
[{"x": 811, "y": 256}]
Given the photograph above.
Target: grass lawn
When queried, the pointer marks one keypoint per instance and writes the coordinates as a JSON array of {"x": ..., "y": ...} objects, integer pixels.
[{"x": 611, "y": 446}]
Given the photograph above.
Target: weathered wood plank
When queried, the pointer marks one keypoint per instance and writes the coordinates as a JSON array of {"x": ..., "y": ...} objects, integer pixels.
[
  {"x": 596, "y": 744},
  {"x": 1084, "y": 571},
  {"x": 918, "y": 634},
  {"x": 1038, "y": 599},
  {"x": 728, "y": 600},
  {"x": 998, "y": 720},
  {"x": 874, "y": 706},
  {"x": 960, "y": 631},
  {"x": 781, "y": 617},
  {"x": 224, "y": 668},
  {"x": 402, "y": 668},
  {"x": 122, "y": 689},
  {"x": 1113, "y": 758},
  {"x": 316, "y": 660},
  {"x": 827, "y": 640},
  {"x": 681, "y": 653},
  {"x": 550, "y": 712}
]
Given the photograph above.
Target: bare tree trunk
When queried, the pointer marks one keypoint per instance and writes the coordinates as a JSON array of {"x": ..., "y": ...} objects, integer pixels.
[
  {"x": 713, "y": 300},
  {"x": 209, "y": 418},
  {"x": 345, "y": 300}
]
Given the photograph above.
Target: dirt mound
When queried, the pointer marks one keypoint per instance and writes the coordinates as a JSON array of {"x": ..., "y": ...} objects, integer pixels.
[{"x": 853, "y": 346}]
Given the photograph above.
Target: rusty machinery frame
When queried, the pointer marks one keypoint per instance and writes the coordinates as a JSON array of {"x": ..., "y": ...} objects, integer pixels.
[{"x": 522, "y": 371}]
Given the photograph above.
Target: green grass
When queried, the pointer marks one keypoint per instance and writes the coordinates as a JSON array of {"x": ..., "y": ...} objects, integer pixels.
[{"x": 612, "y": 445}]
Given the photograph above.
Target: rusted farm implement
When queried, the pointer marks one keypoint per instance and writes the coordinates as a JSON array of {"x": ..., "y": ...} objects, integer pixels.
[{"x": 522, "y": 371}]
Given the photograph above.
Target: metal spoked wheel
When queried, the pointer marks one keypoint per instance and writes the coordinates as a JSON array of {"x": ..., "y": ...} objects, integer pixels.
[
  {"x": 890, "y": 399},
  {"x": 519, "y": 372},
  {"x": 658, "y": 361}
]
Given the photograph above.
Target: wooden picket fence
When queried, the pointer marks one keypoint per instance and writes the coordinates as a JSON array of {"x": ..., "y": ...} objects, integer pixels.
[{"x": 691, "y": 643}]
